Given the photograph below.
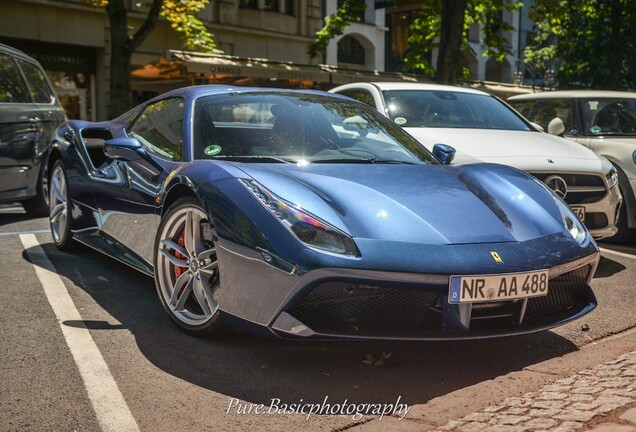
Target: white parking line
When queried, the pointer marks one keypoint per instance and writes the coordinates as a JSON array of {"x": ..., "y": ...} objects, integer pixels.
[
  {"x": 24, "y": 232},
  {"x": 108, "y": 403},
  {"x": 624, "y": 255}
]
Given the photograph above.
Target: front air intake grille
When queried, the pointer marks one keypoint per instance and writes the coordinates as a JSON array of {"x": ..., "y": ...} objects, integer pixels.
[
  {"x": 564, "y": 292},
  {"x": 581, "y": 188},
  {"x": 345, "y": 308}
]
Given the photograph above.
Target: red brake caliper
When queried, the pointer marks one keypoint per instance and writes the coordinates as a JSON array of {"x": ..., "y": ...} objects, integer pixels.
[{"x": 178, "y": 271}]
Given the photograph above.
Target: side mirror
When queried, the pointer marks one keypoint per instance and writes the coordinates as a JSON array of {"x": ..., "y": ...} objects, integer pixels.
[
  {"x": 444, "y": 153},
  {"x": 129, "y": 149},
  {"x": 556, "y": 127}
]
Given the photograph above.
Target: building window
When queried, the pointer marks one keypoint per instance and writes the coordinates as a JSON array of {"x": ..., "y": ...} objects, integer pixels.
[
  {"x": 358, "y": 18},
  {"x": 288, "y": 7},
  {"x": 397, "y": 38},
  {"x": 350, "y": 50},
  {"x": 253, "y": 4}
]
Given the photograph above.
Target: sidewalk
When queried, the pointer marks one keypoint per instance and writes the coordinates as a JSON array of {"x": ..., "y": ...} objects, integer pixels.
[
  {"x": 599, "y": 399},
  {"x": 592, "y": 388}
]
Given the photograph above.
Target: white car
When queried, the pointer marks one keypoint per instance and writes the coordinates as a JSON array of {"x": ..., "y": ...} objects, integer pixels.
[
  {"x": 604, "y": 121},
  {"x": 482, "y": 128}
]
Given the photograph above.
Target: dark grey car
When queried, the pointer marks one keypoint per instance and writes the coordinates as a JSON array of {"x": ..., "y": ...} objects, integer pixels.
[{"x": 29, "y": 113}]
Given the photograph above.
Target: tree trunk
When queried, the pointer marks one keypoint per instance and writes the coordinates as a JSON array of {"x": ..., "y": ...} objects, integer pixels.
[
  {"x": 122, "y": 47},
  {"x": 451, "y": 40},
  {"x": 120, "y": 54}
]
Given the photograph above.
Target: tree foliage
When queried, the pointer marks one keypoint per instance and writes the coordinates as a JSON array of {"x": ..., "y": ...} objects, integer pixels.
[
  {"x": 443, "y": 25},
  {"x": 124, "y": 39},
  {"x": 335, "y": 25},
  {"x": 592, "y": 41}
]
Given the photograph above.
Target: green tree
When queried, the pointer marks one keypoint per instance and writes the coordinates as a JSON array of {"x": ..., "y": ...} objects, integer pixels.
[
  {"x": 442, "y": 25},
  {"x": 124, "y": 40},
  {"x": 592, "y": 40}
]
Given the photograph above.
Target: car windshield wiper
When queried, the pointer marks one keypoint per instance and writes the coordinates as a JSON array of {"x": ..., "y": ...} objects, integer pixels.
[
  {"x": 361, "y": 161},
  {"x": 253, "y": 158}
]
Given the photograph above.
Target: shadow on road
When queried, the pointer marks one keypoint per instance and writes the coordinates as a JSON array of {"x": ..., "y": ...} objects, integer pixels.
[
  {"x": 258, "y": 369},
  {"x": 608, "y": 267},
  {"x": 12, "y": 213}
]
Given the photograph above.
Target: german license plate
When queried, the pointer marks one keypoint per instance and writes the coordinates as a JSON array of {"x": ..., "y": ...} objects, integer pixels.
[
  {"x": 485, "y": 288},
  {"x": 579, "y": 212}
]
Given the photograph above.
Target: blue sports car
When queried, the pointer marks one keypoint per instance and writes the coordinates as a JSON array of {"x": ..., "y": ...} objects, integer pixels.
[{"x": 305, "y": 214}]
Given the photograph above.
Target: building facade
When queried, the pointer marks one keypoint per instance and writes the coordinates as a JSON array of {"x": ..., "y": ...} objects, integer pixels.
[
  {"x": 482, "y": 68},
  {"x": 362, "y": 44},
  {"x": 71, "y": 40}
]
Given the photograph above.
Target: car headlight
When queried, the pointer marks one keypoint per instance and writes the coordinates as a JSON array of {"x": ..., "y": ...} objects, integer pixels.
[
  {"x": 612, "y": 177},
  {"x": 571, "y": 222},
  {"x": 634, "y": 157},
  {"x": 308, "y": 228}
]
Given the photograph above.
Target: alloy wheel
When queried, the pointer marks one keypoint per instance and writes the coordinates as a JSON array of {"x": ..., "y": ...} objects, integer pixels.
[
  {"x": 187, "y": 267},
  {"x": 58, "y": 203}
]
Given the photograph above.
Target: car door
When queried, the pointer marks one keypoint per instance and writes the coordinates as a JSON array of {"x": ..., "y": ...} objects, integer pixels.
[
  {"x": 127, "y": 191},
  {"x": 19, "y": 131},
  {"x": 46, "y": 113}
]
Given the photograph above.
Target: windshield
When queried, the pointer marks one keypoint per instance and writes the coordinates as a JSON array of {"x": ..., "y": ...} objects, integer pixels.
[
  {"x": 609, "y": 116},
  {"x": 449, "y": 109},
  {"x": 303, "y": 128}
]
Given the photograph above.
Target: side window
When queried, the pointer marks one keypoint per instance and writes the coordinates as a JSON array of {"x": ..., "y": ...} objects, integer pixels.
[
  {"x": 12, "y": 89},
  {"x": 544, "y": 111},
  {"x": 363, "y": 96},
  {"x": 39, "y": 88},
  {"x": 160, "y": 127}
]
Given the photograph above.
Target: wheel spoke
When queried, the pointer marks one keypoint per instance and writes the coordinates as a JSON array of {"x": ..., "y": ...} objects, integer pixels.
[
  {"x": 57, "y": 189},
  {"x": 180, "y": 304},
  {"x": 174, "y": 260},
  {"x": 206, "y": 254},
  {"x": 62, "y": 218},
  {"x": 57, "y": 212},
  {"x": 188, "y": 235},
  {"x": 202, "y": 297},
  {"x": 175, "y": 247},
  {"x": 210, "y": 267}
]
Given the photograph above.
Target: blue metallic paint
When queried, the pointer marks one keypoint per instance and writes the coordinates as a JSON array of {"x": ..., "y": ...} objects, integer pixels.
[{"x": 411, "y": 223}]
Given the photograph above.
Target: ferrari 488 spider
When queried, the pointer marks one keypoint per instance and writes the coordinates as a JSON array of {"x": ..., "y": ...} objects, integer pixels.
[{"x": 304, "y": 214}]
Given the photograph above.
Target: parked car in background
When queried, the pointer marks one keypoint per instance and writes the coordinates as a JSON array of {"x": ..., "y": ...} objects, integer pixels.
[
  {"x": 484, "y": 129},
  {"x": 29, "y": 113},
  {"x": 309, "y": 215},
  {"x": 605, "y": 122}
]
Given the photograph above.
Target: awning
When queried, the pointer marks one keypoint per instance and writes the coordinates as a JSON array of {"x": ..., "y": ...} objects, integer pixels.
[
  {"x": 223, "y": 65},
  {"x": 216, "y": 64}
]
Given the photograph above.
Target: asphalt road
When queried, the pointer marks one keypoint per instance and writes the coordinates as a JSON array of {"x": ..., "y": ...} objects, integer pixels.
[{"x": 170, "y": 381}]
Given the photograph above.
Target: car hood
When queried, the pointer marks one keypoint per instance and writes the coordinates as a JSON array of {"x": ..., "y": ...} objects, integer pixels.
[
  {"x": 526, "y": 150},
  {"x": 426, "y": 204}
]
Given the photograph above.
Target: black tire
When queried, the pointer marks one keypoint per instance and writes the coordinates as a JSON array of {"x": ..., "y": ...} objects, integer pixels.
[
  {"x": 38, "y": 206},
  {"x": 194, "y": 308},
  {"x": 59, "y": 202},
  {"x": 624, "y": 234}
]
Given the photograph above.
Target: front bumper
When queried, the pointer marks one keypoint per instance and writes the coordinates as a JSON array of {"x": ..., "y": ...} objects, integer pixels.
[
  {"x": 601, "y": 216},
  {"x": 358, "y": 304},
  {"x": 592, "y": 192}
]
